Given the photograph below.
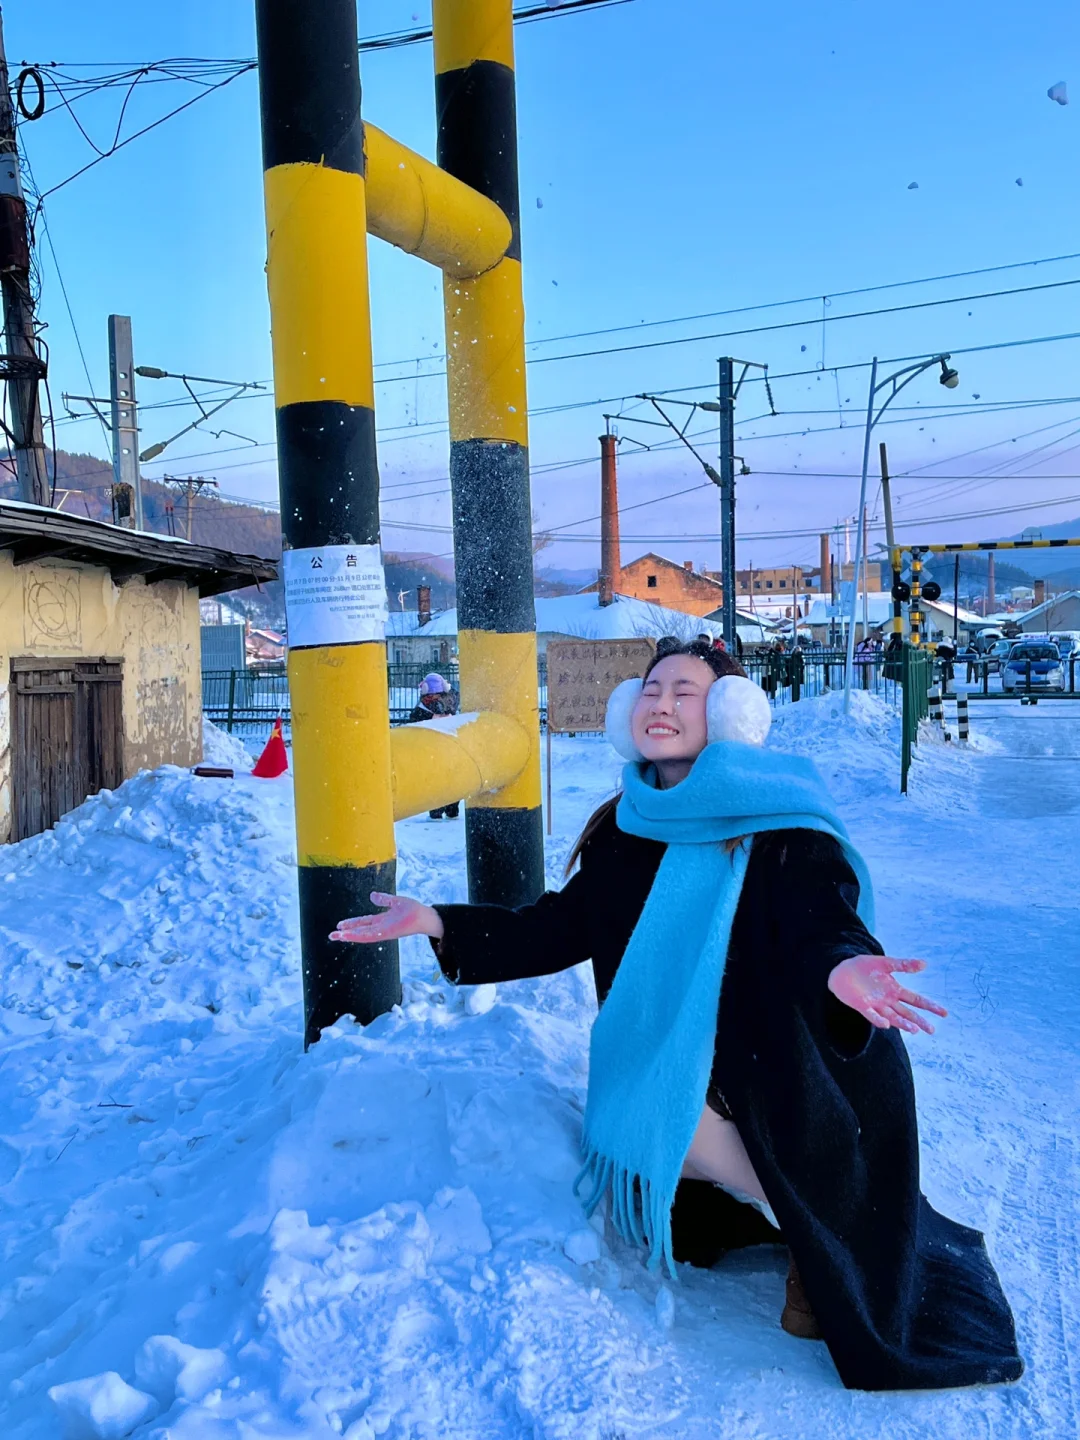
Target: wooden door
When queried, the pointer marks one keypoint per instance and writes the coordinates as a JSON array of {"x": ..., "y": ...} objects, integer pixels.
[{"x": 67, "y": 737}]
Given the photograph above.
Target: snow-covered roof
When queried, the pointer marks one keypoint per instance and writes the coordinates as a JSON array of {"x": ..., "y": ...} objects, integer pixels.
[
  {"x": 879, "y": 609},
  {"x": 967, "y": 618},
  {"x": 582, "y": 617}
]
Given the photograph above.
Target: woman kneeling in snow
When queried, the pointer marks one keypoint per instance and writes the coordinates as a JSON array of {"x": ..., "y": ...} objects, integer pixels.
[{"x": 746, "y": 1081}]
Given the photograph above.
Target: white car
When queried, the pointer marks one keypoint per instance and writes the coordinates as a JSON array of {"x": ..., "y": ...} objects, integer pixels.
[{"x": 1032, "y": 666}]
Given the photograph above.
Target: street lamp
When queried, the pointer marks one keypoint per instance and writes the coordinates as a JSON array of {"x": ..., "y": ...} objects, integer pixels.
[{"x": 950, "y": 378}]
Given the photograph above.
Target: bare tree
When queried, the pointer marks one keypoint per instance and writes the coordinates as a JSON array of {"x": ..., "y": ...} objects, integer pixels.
[{"x": 541, "y": 539}]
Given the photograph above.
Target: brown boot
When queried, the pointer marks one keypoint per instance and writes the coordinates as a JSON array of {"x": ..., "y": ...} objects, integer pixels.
[{"x": 797, "y": 1318}]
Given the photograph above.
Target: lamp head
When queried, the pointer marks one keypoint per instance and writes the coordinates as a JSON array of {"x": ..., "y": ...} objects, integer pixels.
[
  {"x": 949, "y": 377},
  {"x": 712, "y": 406}
]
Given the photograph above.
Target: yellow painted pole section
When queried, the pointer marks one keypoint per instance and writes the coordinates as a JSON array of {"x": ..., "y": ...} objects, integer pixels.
[
  {"x": 485, "y": 342},
  {"x": 434, "y": 766},
  {"x": 498, "y": 673},
  {"x": 316, "y": 270},
  {"x": 414, "y": 205},
  {"x": 341, "y": 755},
  {"x": 468, "y": 30}
]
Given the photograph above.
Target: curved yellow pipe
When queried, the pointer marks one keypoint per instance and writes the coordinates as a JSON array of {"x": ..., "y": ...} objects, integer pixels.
[
  {"x": 413, "y": 204},
  {"x": 456, "y": 758}
]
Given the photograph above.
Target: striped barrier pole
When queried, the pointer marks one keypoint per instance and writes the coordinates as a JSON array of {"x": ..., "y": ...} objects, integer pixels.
[
  {"x": 937, "y": 710},
  {"x": 489, "y": 442},
  {"x": 316, "y": 221},
  {"x": 962, "y": 717}
]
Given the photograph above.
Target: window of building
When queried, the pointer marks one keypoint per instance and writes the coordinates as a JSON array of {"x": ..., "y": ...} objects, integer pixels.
[
  {"x": 435, "y": 654},
  {"x": 757, "y": 584},
  {"x": 650, "y": 581},
  {"x": 783, "y": 584},
  {"x": 768, "y": 584}
]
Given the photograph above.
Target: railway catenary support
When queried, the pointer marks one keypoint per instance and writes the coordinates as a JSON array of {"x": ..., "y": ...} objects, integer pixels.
[
  {"x": 489, "y": 441},
  {"x": 462, "y": 216}
]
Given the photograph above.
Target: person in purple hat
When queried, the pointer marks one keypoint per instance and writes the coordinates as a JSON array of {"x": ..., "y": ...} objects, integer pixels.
[{"x": 436, "y": 698}]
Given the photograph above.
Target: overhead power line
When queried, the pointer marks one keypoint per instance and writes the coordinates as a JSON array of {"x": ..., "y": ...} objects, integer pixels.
[{"x": 762, "y": 535}]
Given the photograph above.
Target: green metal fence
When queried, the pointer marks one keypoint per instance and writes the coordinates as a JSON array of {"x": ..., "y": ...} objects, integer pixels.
[
  {"x": 916, "y": 676},
  {"x": 248, "y": 701},
  {"x": 243, "y": 700}
]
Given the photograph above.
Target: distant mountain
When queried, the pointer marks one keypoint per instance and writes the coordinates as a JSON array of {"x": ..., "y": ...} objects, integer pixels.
[
  {"x": 570, "y": 581},
  {"x": 82, "y": 486},
  {"x": 1044, "y": 564}
]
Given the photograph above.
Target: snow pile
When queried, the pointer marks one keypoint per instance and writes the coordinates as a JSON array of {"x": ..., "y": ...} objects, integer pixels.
[
  {"x": 860, "y": 750},
  {"x": 207, "y": 1235},
  {"x": 167, "y": 905},
  {"x": 221, "y": 748}
]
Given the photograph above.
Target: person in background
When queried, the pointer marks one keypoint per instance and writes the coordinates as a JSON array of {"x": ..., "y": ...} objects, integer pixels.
[
  {"x": 775, "y": 668},
  {"x": 436, "y": 698},
  {"x": 946, "y": 654},
  {"x": 893, "y": 669},
  {"x": 796, "y": 670}
]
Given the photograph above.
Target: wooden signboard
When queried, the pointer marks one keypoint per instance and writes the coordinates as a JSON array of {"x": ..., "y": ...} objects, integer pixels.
[{"x": 581, "y": 674}]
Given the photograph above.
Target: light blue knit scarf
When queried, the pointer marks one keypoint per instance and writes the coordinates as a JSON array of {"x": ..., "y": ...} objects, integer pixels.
[{"x": 653, "y": 1041}]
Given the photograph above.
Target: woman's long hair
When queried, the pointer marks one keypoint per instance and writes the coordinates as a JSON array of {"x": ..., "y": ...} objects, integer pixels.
[{"x": 721, "y": 664}]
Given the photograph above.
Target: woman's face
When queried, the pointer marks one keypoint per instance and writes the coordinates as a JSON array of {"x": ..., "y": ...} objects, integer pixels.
[{"x": 668, "y": 722}]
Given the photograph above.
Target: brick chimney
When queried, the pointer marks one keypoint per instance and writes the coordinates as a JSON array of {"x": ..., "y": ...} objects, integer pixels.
[
  {"x": 688, "y": 565},
  {"x": 610, "y": 562},
  {"x": 423, "y": 604},
  {"x": 1040, "y": 592}
]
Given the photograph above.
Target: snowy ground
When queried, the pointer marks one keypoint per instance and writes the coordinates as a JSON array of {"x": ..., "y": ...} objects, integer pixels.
[{"x": 206, "y": 1235}]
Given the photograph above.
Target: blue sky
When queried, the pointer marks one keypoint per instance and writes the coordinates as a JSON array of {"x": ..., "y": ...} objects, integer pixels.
[{"x": 691, "y": 157}]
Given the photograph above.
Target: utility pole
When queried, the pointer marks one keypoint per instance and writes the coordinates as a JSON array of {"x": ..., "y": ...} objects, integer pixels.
[
  {"x": 191, "y": 485},
  {"x": 125, "y": 424},
  {"x": 727, "y": 394},
  {"x": 726, "y": 397},
  {"x": 22, "y": 365},
  {"x": 890, "y": 541},
  {"x": 866, "y": 575}
]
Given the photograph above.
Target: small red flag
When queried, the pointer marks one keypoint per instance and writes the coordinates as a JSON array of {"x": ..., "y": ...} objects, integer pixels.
[{"x": 274, "y": 760}]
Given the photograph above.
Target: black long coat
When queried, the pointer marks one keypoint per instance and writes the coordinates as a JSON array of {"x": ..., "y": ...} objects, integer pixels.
[{"x": 905, "y": 1298}]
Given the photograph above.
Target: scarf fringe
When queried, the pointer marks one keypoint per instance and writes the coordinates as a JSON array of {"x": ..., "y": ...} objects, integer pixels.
[{"x": 640, "y": 1211}]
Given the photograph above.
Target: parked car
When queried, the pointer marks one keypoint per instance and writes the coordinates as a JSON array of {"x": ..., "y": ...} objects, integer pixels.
[
  {"x": 1033, "y": 666},
  {"x": 985, "y": 640},
  {"x": 997, "y": 655}
]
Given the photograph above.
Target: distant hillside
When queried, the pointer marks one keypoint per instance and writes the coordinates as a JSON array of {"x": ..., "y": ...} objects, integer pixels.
[
  {"x": 246, "y": 529},
  {"x": 1047, "y": 564}
]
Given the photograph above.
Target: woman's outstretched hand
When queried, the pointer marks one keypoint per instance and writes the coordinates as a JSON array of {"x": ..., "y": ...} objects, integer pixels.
[
  {"x": 866, "y": 983},
  {"x": 401, "y": 916}
]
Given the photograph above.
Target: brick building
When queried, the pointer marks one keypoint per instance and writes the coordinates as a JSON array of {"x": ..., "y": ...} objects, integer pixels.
[{"x": 659, "y": 581}]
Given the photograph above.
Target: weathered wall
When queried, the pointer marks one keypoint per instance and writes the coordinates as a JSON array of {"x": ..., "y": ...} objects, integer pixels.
[{"x": 51, "y": 609}]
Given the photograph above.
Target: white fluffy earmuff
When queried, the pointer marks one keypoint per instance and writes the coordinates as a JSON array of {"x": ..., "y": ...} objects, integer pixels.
[
  {"x": 620, "y": 705},
  {"x": 735, "y": 709}
]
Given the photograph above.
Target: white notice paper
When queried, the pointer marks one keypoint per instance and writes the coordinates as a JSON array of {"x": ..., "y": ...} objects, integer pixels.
[{"x": 334, "y": 595}]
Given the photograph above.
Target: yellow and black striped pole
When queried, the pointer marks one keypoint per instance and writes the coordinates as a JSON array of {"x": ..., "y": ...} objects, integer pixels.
[
  {"x": 489, "y": 440},
  {"x": 915, "y": 614},
  {"x": 313, "y": 155}
]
